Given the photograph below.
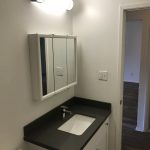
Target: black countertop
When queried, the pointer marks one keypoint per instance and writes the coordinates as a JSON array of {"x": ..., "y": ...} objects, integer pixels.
[{"x": 43, "y": 131}]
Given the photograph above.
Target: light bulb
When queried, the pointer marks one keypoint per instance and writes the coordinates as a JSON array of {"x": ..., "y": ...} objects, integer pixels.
[
  {"x": 69, "y": 4},
  {"x": 54, "y": 6}
]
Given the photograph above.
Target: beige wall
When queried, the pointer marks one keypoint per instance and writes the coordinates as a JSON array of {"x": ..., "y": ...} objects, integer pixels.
[
  {"x": 17, "y": 19},
  {"x": 96, "y": 24}
]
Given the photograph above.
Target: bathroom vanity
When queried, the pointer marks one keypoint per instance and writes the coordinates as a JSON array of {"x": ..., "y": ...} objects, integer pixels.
[
  {"x": 77, "y": 124},
  {"x": 85, "y": 128}
]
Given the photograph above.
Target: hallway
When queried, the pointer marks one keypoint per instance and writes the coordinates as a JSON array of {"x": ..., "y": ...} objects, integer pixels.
[{"x": 131, "y": 139}]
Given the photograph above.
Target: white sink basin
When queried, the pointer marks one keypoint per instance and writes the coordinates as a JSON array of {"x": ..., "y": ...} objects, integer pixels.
[{"x": 77, "y": 124}]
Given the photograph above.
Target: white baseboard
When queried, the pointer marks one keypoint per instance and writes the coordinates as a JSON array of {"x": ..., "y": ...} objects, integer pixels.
[{"x": 139, "y": 129}]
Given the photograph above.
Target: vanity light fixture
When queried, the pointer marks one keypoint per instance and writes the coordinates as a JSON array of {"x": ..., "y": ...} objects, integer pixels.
[{"x": 68, "y": 4}]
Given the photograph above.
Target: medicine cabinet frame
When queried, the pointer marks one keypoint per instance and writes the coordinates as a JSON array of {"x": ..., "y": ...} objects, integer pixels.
[{"x": 36, "y": 67}]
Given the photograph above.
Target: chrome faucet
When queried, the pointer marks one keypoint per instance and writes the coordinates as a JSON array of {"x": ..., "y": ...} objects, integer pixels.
[{"x": 64, "y": 111}]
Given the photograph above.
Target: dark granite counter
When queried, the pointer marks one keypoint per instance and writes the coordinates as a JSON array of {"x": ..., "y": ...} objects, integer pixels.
[{"x": 43, "y": 131}]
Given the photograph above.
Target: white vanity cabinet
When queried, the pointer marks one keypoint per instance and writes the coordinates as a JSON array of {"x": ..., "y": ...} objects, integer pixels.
[{"x": 100, "y": 140}]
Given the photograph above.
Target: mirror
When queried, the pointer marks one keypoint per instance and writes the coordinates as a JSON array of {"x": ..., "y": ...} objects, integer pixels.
[
  {"x": 53, "y": 64},
  {"x": 71, "y": 60},
  {"x": 60, "y": 62},
  {"x": 47, "y": 65}
]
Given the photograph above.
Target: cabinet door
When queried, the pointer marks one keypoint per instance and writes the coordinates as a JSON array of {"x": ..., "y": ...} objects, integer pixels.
[
  {"x": 49, "y": 65},
  {"x": 60, "y": 62},
  {"x": 100, "y": 140},
  {"x": 71, "y": 60},
  {"x": 46, "y": 65}
]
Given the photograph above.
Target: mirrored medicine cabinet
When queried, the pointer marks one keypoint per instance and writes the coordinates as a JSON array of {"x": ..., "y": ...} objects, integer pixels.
[{"x": 53, "y": 60}]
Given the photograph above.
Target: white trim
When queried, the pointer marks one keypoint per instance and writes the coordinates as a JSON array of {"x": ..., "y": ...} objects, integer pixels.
[
  {"x": 58, "y": 91},
  {"x": 139, "y": 129},
  {"x": 135, "y": 6},
  {"x": 40, "y": 67},
  {"x": 122, "y": 9}
]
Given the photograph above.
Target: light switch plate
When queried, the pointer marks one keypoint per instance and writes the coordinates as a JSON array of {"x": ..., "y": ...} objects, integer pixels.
[
  {"x": 100, "y": 75},
  {"x": 103, "y": 75}
]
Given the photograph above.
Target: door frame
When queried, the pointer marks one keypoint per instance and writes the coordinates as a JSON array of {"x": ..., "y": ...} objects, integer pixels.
[{"x": 121, "y": 48}]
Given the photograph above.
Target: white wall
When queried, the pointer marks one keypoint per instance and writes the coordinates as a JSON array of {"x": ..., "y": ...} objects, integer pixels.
[
  {"x": 133, "y": 51},
  {"x": 17, "y": 19},
  {"x": 96, "y": 24}
]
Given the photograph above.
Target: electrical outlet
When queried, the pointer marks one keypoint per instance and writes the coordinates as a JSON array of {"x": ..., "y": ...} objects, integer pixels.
[{"x": 103, "y": 75}]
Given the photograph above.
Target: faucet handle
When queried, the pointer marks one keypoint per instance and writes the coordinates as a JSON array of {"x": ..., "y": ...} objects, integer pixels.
[{"x": 64, "y": 107}]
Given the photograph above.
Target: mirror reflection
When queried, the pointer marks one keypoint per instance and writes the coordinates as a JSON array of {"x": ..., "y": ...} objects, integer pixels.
[
  {"x": 58, "y": 63},
  {"x": 47, "y": 65}
]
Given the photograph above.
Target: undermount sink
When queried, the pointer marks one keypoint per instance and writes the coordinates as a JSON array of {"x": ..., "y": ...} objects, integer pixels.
[{"x": 77, "y": 124}]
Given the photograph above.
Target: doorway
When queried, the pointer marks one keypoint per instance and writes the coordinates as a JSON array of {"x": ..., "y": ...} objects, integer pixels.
[{"x": 136, "y": 81}]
